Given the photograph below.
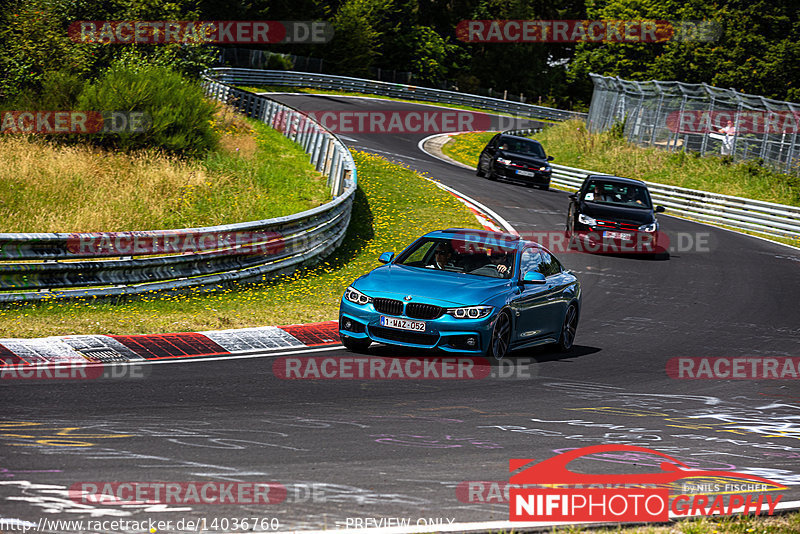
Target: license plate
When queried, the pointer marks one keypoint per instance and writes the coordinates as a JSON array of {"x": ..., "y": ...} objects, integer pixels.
[
  {"x": 526, "y": 173},
  {"x": 403, "y": 324},
  {"x": 618, "y": 235}
]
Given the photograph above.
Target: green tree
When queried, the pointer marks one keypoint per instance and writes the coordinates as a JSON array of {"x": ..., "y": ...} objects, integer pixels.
[
  {"x": 758, "y": 50},
  {"x": 356, "y": 41},
  {"x": 36, "y": 45}
]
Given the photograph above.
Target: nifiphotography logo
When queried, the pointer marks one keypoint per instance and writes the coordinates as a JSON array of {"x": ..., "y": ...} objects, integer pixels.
[{"x": 548, "y": 491}]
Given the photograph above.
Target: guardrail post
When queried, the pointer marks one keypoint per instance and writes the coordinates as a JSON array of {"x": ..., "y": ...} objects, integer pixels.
[
  {"x": 334, "y": 161},
  {"x": 347, "y": 175},
  {"x": 315, "y": 143},
  {"x": 295, "y": 127},
  {"x": 322, "y": 152},
  {"x": 326, "y": 162},
  {"x": 300, "y": 137},
  {"x": 308, "y": 137}
]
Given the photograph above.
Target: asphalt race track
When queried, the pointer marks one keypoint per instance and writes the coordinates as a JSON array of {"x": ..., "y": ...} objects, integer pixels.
[{"x": 349, "y": 450}]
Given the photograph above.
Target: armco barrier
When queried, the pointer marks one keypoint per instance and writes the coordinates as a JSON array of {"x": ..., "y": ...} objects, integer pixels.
[
  {"x": 109, "y": 264},
  {"x": 767, "y": 218},
  {"x": 250, "y": 77}
]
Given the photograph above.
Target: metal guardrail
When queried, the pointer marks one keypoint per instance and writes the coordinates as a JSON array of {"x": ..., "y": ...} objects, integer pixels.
[
  {"x": 767, "y": 218},
  {"x": 238, "y": 76},
  {"x": 41, "y": 266}
]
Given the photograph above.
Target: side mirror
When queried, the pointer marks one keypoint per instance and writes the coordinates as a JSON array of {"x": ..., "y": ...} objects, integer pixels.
[
  {"x": 550, "y": 158},
  {"x": 660, "y": 209},
  {"x": 386, "y": 257},
  {"x": 533, "y": 277}
]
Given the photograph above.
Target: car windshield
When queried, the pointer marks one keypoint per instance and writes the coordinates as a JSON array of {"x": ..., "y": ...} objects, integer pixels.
[
  {"x": 460, "y": 256},
  {"x": 521, "y": 146},
  {"x": 619, "y": 194}
]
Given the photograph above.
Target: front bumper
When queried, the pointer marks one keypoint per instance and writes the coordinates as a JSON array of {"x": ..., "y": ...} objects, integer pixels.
[
  {"x": 511, "y": 173},
  {"x": 606, "y": 240},
  {"x": 445, "y": 333}
]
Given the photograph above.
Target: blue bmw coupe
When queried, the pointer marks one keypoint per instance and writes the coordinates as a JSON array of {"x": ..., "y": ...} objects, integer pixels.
[{"x": 462, "y": 290}]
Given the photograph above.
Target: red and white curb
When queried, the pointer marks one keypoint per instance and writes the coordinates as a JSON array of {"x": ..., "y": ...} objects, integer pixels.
[{"x": 100, "y": 349}]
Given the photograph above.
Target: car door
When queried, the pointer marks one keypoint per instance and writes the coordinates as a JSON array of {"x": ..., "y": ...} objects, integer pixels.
[
  {"x": 532, "y": 307},
  {"x": 559, "y": 292}
]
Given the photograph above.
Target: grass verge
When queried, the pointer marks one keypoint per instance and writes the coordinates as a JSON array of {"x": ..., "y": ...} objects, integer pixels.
[
  {"x": 393, "y": 206},
  {"x": 256, "y": 173},
  {"x": 571, "y": 144},
  {"x": 743, "y": 524}
]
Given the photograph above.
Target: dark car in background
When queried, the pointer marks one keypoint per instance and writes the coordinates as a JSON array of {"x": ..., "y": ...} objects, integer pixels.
[
  {"x": 614, "y": 214},
  {"x": 515, "y": 158}
]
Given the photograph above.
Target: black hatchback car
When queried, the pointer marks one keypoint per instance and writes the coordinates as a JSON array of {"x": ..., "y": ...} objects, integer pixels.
[
  {"x": 613, "y": 214},
  {"x": 515, "y": 158}
]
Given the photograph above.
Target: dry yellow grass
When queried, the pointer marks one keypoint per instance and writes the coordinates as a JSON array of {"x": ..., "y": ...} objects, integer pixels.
[
  {"x": 49, "y": 188},
  {"x": 256, "y": 173}
]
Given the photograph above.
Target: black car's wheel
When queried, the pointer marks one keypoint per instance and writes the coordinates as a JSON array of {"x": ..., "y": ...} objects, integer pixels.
[
  {"x": 568, "y": 329},
  {"x": 545, "y": 187},
  {"x": 355, "y": 344},
  {"x": 491, "y": 175},
  {"x": 479, "y": 171},
  {"x": 501, "y": 337}
]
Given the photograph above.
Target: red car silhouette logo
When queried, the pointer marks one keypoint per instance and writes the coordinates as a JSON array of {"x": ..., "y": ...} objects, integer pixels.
[{"x": 554, "y": 470}]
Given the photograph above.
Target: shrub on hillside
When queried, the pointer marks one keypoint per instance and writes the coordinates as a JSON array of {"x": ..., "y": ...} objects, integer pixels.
[
  {"x": 179, "y": 117},
  {"x": 59, "y": 91}
]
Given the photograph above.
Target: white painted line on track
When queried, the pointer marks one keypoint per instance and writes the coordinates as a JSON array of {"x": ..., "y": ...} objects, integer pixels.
[
  {"x": 421, "y": 146},
  {"x": 504, "y": 223},
  {"x": 481, "y": 207}
]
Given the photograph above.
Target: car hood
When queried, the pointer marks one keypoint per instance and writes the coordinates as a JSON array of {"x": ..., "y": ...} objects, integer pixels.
[
  {"x": 429, "y": 285},
  {"x": 527, "y": 158},
  {"x": 637, "y": 216}
]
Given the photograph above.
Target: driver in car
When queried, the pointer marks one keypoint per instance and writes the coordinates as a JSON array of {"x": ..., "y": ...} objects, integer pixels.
[{"x": 442, "y": 257}]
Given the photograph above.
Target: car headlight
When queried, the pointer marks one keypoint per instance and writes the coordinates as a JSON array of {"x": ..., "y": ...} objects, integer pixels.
[
  {"x": 356, "y": 297},
  {"x": 585, "y": 219},
  {"x": 470, "y": 312},
  {"x": 504, "y": 161},
  {"x": 544, "y": 168},
  {"x": 652, "y": 227}
]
